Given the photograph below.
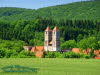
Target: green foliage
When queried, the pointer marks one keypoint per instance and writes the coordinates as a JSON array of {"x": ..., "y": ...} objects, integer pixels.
[
  {"x": 71, "y": 54},
  {"x": 83, "y": 44},
  {"x": 54, "y": 66},
  {"x": 31, "y": 31},
  {"x": 85, "y": 10},
  {"x": 99, "y": 44},
  {"x": 12, "y": 49},
  {"x": 12, "y": 45},
  {"x": 88, "y": 43},
  {"x": 50, "y": 55},
  {"x": 11, "y": 53},
  {"x": 92, "y": 54},
  {"x": 2, "y": 53},
  {"x": 68, "y": 54},
  {"x": 26, "y": 54},
  {"x": 80, "y": 26},
  {"x": 58, "y": 55},
  {"x": 53, "y": 55},
  {"x": 79, "y": 37},
  {"x": 69, "y": 44},
  {"x": 85, "y": 56}
]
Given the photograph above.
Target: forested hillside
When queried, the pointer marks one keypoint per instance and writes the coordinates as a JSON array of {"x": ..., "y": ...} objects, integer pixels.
[
  {"x": 79, "y": 25},
  {"x": 80, "y": 10}
]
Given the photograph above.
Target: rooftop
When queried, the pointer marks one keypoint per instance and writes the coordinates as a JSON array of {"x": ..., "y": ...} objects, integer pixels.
[
  {"x": 56, "y": 29},
  {"x": 48, "y": 29}
]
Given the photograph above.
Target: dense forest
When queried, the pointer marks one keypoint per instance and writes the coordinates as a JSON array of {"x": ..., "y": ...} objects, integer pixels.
[
  {"x": 87, "y": 10},
  {"x": 79, "y": 25}
]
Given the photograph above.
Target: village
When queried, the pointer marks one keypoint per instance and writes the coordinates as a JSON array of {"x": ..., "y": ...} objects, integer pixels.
[{"x": 52, "y": 44}]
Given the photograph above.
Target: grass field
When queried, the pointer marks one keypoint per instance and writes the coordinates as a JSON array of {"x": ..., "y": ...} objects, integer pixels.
[{"x": 55, "y": 66}]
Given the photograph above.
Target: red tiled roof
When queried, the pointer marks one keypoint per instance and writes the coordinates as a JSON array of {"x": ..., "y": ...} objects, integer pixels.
[
  {"x": 48, "y": 29},
  {"x": 37, "y": 48},
  {"x": 40, "y": 48},
  {"x": 33, "y": 49},
  {"x": 96, "y": 52},
  {"x": 38, "y": 51},
  {"x": 97, "y": 57},
  {"x": 56, "y": 29},
  {"x": 39, "y": 54},
  {"x": 76, "y": 50}
]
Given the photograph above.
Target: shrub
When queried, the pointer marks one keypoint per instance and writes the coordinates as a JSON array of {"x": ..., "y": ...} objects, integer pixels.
[
  {"x": 69, "y": 44},
  {"x": 23, "y": 56},
  {"x": 11, "y": 53},
  {"x": 14, "y": 54},
  {"x": 68, "y": 54},
  {"x": 92, "y": 54},
  {"x": 26, "y": 54},
  {"x": 2, "y": 53},
  {"x": 58, "y": 55},
  {"x": 71, "y": 54},
  {"x": 85, "y": 56},
  {"x": 50, "y": 55}
]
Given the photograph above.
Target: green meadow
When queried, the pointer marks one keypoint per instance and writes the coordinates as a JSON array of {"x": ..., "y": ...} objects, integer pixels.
[{"x": 53, "y": 66}]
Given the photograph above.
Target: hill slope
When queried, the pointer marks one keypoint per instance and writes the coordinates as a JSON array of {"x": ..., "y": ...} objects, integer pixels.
[{"x": 79, "y": 10}]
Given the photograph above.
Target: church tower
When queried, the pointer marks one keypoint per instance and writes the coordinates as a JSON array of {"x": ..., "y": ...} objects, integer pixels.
[
  {"x": 56, "y": 39},
  {"x": 52, "y": 39},
  {"x": 48, "y": 38}
]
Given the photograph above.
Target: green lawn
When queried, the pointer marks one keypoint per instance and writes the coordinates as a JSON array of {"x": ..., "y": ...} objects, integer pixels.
[{"x": 54, "y": 66}]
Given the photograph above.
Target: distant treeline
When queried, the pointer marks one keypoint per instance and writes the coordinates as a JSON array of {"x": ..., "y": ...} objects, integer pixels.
[
  {"x": 85, "y": 10},
  {"x": 31, "y": 31}
]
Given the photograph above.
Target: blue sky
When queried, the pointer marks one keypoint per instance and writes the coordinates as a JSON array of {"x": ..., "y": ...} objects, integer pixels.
[{"x": 34, "y": 4}]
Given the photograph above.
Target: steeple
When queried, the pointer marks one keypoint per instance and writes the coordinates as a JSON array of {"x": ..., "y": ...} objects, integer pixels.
[
  {"x": 56, "y": 29},
  {"x": 52, "y": 39},
  {"x": 48, "y": 29}
]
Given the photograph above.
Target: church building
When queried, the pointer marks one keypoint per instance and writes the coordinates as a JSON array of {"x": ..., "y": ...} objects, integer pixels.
[
  {"x": 52, "y": 39},
  {"x": 51, "y": 42}
]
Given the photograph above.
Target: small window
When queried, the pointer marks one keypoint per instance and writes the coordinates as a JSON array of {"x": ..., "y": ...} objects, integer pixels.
[{"x": 46, "y": 32}]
